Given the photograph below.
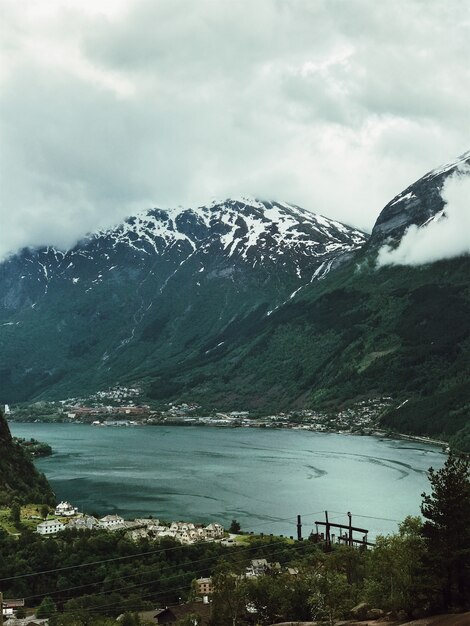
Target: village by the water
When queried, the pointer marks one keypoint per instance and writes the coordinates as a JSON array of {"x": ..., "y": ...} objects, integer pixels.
[
  {"x": 67, "y": 516},
  {"x": 122, "y": 406}
]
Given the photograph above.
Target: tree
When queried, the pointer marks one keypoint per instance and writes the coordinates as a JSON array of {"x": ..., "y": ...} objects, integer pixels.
[
  {"x": 234, "y": 527},
  {"x": 46, "y": 608},
  {"x": 192, "y": 619},
  {"x": 331, "y": 596},
  {"x": 228, "y": 599},
  {"x": 267, "y": 596},
  {"x": 130, "y": 619},
  {"x": 44, "y": 512},
  {"x": 395, "y": 574},
  {"x": 446, "y": 531},
  {"x": 15, "y": 513}
]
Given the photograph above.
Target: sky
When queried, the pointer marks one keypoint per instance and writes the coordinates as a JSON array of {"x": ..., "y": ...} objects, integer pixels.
[{"x": 108, "y": 107}]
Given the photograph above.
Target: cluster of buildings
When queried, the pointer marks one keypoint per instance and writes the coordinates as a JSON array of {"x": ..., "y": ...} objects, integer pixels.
[
  {"x": 184, "y": 532},
  {"x": 81, "y": 413},
  {"x": 117, "y": 401},
  {"x": 361, "y": 417},
  {"x": 122, "y": 406},
  {"x": 148, "y": 528}
]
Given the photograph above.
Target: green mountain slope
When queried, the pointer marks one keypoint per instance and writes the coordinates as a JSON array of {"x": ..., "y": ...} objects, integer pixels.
[
  {"x": 394, "y": 331},
  {"x": 138, "y": 300},
  {"x": 360, "y": 332}
]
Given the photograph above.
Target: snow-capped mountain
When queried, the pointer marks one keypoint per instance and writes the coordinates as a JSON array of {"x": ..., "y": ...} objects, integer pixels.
[
  {"x": 418, "y": 203},
  {"x": 244, "y": 232},
  {"x": 246, "y": 228},
  {"x": 157, "y": 286},
  {"x": 226, "y": 305}
]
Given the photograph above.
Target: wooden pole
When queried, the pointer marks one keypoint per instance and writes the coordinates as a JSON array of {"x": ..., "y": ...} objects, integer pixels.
[
  {"x": 1, "y": 608},
  {"x": 327, "y": 532},
  {"x": 299, "y": 528},
  {"x": 350, "y": 529}
]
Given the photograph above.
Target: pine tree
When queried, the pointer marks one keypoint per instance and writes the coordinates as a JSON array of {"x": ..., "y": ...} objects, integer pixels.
[
  {"x": 447, "y": 532},
  {"x": 15, "y": 513},
  {"x": 46, "y": 608}
]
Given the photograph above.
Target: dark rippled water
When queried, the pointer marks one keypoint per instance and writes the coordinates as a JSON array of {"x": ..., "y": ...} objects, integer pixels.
[{"x": 259, "y": 477}]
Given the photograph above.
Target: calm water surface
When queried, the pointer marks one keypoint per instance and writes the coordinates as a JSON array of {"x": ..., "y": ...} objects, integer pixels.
[{"x": 258, "y": 476}]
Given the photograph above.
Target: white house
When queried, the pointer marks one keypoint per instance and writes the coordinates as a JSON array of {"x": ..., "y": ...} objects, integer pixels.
[
  {"x": 86, "y": 522},
  {"x": 215, "y": 530},
  {"x": 111, "y": 521},
  {"x": 138, "y": 533},
  {"x": 51, "y": 527},
  {"x": 147, "y": 521},
  {"x": 65, "y": 509},
  {"x": 10, "y": 606}
]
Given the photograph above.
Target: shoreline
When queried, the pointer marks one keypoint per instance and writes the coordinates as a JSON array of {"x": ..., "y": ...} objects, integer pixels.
[
  {"x": 417, "y": 438},
  {"x": 174, "y": 506},
  {"x": 372, "y": 432}
]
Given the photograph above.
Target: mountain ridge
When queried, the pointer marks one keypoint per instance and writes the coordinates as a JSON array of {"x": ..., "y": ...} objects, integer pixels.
[
  {"x": 238, "y": 311},
  {"x": 416, "y": 204},
  {"x": 158, "y": 272}
]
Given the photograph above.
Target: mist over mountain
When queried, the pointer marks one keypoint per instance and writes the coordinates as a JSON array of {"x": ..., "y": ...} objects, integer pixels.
[
  {"x": 253, "y": 304},
  {"x": 428, "y": 221}
]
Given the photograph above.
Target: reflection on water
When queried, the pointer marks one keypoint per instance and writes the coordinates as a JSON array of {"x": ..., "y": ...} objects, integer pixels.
[{"x": 263, "y": 478}]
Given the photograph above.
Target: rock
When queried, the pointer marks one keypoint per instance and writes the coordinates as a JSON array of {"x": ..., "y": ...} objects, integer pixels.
[
  {"x": 375, "y": 614},
  {"x": 360, "y": 611},
  {"x": 402, "y": 616}
]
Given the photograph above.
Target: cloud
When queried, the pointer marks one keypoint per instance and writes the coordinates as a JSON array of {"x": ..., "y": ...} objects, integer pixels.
[
  {"x": 446, "y": 236},
  {"x": 110, "y": 107}
]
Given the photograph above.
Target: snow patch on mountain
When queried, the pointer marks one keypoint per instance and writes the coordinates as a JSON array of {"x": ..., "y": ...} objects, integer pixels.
[
  {"x": 402, "y": 198},
  {"x": 444, "y": 235},
  {"x": 459, "y": 163},
  {"x": 239, "y": 225},
  {"x": 241, "y": 233}
]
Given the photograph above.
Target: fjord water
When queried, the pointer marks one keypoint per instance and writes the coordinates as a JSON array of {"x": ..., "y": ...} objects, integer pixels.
[{"x": 261, "y": 477}]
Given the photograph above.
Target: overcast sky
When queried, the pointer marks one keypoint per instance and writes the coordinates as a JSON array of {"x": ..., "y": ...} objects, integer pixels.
[{"x": 113, "y": 106}]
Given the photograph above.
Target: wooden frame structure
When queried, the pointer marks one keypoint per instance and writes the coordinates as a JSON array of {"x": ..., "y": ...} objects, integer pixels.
[{"x": 348, "y": 537}]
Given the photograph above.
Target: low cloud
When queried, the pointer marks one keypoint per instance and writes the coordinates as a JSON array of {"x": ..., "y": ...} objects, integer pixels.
[
  {"x": 446, "y": 236},
  {"x": 113, "y": 106}
]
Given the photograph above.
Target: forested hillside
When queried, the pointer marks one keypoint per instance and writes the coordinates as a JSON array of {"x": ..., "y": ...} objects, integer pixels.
[{"x": 19, "y": 479}]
